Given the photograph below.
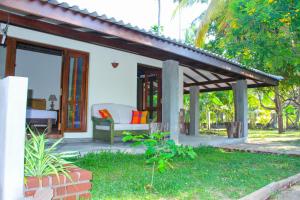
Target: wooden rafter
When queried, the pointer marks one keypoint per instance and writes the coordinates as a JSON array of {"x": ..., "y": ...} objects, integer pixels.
[
  {"x": 203, "y": 76},
  {"x": 230, "y": 88},
  {"x": 220, "y": 78},
  {"x": 195, "y": 81},
  {"x": 211, "y": 82}
]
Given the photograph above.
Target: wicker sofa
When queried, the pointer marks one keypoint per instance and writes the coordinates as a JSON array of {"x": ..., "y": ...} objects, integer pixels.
[{"x": 107, "y": 129}]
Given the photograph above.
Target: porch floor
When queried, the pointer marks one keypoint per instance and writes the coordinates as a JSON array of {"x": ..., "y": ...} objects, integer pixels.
[{"x": 84, "y": 146}]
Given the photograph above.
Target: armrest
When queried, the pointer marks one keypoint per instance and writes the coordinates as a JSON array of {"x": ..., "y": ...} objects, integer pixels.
[{"x": 100, "y": 121}]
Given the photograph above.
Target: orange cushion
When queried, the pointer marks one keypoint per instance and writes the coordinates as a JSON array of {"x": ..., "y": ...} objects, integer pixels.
[
  {"x": 144, "y": 117},
  {"x": 139, "y": 117},
  {"x": 105, "y": 114}
]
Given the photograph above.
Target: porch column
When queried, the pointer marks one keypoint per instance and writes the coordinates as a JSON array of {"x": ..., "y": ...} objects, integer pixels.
[
  {"x": 194, "y": 111},
  {"x": 241, "y": 105},
  {"x": 172, "y": 96},
  {"x": 13, "y": 97}
]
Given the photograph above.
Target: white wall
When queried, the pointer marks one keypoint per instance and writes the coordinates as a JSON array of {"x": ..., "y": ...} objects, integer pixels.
[
  {"x": 13, "y": 93},
  {"x": 105, "y": 83},
  {"x": 43, "y": 72}
]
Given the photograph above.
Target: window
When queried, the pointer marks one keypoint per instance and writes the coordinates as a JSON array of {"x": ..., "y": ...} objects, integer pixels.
[{"x": 75, "y": 91}]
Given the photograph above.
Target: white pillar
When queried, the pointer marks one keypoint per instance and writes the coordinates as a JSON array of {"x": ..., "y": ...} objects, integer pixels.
[
  {"x": 241, "y": 105},
  {"x": 172, "y": 96},
  {"x": 194, "y": 111},
  {"x": 13, "y": 93}
]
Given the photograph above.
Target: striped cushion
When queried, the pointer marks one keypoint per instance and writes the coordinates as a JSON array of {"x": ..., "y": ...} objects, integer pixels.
[
  {"x": 105, "y": 114},
  {"x": 139, "y": 117}
]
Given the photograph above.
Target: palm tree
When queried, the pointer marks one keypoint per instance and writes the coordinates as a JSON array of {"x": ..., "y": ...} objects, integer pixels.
[
  {"x": 158, "y": 15},
  {"x": 213, "y": 11}
]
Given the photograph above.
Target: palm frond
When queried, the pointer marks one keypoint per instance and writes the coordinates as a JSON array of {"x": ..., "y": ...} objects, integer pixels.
[
  {"x": 42, "y": 161},
  {"x": 214, "y": 9}
]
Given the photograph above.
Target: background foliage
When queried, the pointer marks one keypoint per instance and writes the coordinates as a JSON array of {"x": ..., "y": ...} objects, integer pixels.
[{"x": 263, "y": 34}]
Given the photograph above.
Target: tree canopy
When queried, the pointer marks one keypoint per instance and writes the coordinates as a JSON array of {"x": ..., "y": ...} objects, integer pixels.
[{"x": 263, "y": 34}]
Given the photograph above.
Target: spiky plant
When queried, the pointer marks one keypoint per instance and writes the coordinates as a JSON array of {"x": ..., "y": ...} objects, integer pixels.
[{"x": 41, "y": 160}]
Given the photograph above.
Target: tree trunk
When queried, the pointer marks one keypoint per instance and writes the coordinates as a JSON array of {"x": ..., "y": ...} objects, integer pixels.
[
  {"x": 286, "y": 121},
  {"x": 298, "y": 110},
  {"x": 208, "y": 120},
  {"x": 279, "y": 110},
  {"x": 158, "y": 17}
]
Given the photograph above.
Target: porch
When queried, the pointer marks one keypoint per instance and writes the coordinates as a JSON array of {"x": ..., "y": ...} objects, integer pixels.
[{"x": 84, "y": 146}]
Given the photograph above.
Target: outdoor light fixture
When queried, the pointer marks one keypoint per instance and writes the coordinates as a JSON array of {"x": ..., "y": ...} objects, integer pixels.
[
  {"x": 3, "y": 31},
  {"x": 52, "y": 98},
  {"x": 114, "y": 64}
]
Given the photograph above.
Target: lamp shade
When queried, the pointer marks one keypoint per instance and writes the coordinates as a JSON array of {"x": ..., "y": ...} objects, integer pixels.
[{"x": 52, "y": 97}]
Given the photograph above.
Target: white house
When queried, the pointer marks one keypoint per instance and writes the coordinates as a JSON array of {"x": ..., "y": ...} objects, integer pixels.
[{"x": 75, "y": 59}]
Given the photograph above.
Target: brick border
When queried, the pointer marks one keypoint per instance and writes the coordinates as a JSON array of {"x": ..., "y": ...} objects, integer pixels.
[{"x": 63, "y": 188}]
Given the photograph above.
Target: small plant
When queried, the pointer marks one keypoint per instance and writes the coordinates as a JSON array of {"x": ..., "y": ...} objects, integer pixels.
[
  {"x": 42, "y": 161},
  {"x": 159, "y": 151}
]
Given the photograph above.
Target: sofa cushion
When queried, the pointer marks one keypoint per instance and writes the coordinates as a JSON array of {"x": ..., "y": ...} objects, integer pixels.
[
  {"x": 139, "y": 117},
  {"x": 125, "y": 127},
  {"x": 105, "y": 114},
  {"x": 121, "y": 114}
]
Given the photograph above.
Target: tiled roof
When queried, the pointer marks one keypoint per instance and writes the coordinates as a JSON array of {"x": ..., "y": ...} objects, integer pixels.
[{"x": 155, "y": 35}]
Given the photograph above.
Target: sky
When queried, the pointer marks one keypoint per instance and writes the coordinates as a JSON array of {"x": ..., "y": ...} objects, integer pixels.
[{"x": 143, "y": 13}]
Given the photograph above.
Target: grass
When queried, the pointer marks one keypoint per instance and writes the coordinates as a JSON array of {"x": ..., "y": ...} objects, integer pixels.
[
  {"x": 214, "y": 174},
  {"x": 258, "y": 133}
]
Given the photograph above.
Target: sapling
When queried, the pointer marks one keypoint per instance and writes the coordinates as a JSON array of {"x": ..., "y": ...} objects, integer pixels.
[{"x": 160, "y": 151}]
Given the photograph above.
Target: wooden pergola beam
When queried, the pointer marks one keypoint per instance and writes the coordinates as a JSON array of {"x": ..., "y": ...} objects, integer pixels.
[
  {"x": 191, "y": 78},
  {"x": 218, "y": 77},
  {"x": 211, "y": 82},
  {"x": 230, "y": 88}
]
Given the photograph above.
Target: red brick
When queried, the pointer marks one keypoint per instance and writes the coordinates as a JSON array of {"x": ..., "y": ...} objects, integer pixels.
[
  {"x": 78, "y": 188},
  {"x": 73, "y": 168},
  {"x": 85, "y": 196},
  {"x": 45, "y": 181},
  {"x": 32, "y": 182},
  {"x": 58, "y": 180},
  {"x": 85, "y": 175},
  {"x": 29, "y": 193},
  {"x": 60, "y": 191},
  {"x": 73, "y": 197},
  {"x": 74, "y": 177}
]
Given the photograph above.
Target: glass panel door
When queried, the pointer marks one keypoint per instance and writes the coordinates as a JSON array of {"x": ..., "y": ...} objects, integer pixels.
[{"x": 75, "y": 92}]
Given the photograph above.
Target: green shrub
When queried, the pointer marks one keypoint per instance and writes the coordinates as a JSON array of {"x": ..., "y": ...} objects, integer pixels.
[{"x": 42, "y": 161}]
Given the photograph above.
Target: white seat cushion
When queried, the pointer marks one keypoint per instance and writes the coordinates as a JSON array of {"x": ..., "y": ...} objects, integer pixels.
[{"x": 125, "y": 127}]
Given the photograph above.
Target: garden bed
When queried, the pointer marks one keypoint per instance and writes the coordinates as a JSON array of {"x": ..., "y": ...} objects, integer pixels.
[{"x": 63, "y": 188}]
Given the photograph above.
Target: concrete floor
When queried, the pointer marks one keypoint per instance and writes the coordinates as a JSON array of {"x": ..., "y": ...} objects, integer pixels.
[{"x": 83, "y": 146}]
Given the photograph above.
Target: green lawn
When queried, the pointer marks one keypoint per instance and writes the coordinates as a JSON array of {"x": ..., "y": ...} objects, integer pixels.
[
  {"x": 257, "y": 133},
  {"x": 214, "y": 174}
]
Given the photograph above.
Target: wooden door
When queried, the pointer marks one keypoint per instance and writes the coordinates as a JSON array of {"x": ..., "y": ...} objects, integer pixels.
[
  {"x": 152, "y": 94},
  {"x": 74, "y": 91}
]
